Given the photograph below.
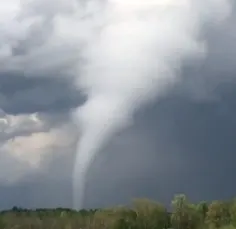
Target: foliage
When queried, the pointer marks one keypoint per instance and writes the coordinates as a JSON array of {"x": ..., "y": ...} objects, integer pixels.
[
  {"x": 142, "y": 214},
  {"x": 184, "y": 215},
  {"x": 218, "y": 214}
]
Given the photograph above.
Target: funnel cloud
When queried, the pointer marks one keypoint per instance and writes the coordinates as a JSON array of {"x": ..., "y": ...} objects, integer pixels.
[{"x": 134, "y": 54}]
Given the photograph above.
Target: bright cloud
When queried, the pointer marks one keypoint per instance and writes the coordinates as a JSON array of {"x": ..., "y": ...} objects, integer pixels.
[{"x": 27, "y": 144}]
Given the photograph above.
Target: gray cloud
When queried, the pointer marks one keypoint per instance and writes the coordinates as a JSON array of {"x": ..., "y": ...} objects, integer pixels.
[
  {"x": 20, "y": 94},
  {"x": 176, "y": 146}
]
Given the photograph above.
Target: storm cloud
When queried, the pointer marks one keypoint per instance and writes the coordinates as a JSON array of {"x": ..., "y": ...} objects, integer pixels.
[{"x": 182, "y": 142}]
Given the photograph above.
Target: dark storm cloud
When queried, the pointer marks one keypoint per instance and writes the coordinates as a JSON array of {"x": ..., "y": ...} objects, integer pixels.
[
  {"x": 177, "y": 146},
  {"x": 20, "y": 94},
  {"x": 42, "y": 193}
]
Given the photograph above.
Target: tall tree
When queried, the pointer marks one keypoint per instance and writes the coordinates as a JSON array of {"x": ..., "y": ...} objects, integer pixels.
[
  {"x": 184, "y": 215},
  {"x": 218, "y": 214},
  {"x": 150, "y": 214}
]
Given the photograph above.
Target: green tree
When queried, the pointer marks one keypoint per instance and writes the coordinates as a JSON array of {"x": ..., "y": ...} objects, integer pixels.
[
  {"x": 218, "y": 214},
  {"x": 125, "y": 218},
  {"x": 233, "y": 212},
  {"x": 202, "y": 209},
  {"x": 2, "y": 223},
  {"x": 150, "y": 214},
  {"x": 184, "y": 215}
]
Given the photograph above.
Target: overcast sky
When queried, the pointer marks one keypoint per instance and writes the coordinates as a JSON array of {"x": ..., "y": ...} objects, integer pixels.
[{"x": 184, "y": 142}]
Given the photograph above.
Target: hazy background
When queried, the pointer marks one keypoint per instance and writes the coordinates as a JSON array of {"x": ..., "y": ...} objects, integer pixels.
[{"x": 184, "y": 142}]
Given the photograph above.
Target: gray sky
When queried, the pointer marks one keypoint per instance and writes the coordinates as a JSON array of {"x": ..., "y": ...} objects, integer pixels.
[{"x": 182, "y": 142}]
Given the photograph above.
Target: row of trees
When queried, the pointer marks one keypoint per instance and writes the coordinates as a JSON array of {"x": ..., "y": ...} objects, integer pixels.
[{"x": 143, "y": 214}]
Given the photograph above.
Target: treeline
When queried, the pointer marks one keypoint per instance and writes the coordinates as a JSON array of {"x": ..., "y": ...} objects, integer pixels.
[{"x": 143, "y": 214}]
